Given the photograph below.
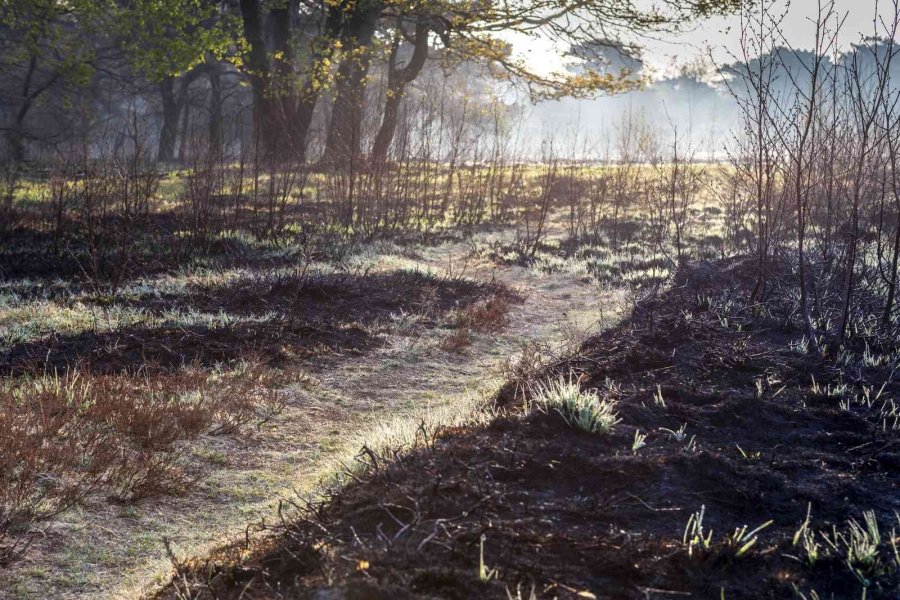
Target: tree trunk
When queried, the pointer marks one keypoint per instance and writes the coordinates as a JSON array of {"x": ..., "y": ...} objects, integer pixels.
[
  {"x": 169, "y": 132},
  {"x": 397, "y": 82},
  {"x": 15, "y": 135},
  {"x": 215, "y": 109},
  {"x": 306, "y": 107},
  {"x": 185, "y": 109},
  {"x": 323, "y": 51},
  {"x": 342, "y": 145},
  {"x": 283, "y": 101},
  {"x": 15, "y": 141},
  {"x": 257, "y": 66}
]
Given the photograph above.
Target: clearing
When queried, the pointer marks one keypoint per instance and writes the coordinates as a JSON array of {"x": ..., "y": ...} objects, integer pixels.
[
  {"x": 740, "y": 467},
  {"x": 378, "y": 381}
]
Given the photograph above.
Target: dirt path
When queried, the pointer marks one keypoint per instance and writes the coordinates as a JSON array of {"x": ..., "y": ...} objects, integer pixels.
[{"x": 109, "y": 551}]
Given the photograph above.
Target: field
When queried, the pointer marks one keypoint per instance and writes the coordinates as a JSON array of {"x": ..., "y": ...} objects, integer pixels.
[
  {"x": 344, "y": 300},
  {"x": 180, "y": 405},
  {"x": 727, "y": 465},
  {"x": 577, "y": 399}
]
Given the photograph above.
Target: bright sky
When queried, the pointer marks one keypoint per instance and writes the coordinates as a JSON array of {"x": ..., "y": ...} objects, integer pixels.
[{"x": 721, "y": 34}]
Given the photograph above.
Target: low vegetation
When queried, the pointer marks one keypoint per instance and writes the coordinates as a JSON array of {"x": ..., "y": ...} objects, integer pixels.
[
  {"x": 583, "y": 410},
  {"x": 66, "y": 436},
  {"x": 747, "y": 483},
  {"x": 210, "y": 289}
]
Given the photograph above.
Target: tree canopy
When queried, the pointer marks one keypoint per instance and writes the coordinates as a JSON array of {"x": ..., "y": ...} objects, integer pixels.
[{"x": 291, "y": 52}]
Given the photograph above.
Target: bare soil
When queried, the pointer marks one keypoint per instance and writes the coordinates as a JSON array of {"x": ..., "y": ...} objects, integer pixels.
[{"x": 567, "y": 514}]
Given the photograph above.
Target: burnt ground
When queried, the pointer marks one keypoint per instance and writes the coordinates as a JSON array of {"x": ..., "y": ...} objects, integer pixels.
[
  {"x": 30, "y": 250},
  {"x": 275, "y": 318},
  {"x": 563, "y": 513}
]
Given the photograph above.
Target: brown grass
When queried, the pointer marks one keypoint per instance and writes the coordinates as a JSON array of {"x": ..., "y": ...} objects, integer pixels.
[
  {"x": 491, "y": 314},
  {"x": 457, "y": 341},
  {"x": 63, "y": 437}
]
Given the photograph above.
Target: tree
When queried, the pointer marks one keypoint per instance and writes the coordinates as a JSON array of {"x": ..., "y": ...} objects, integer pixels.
[
  {"x": 345, "y": 131},
  {"x": 472, "y": 32},
  {"x": 172, "y": 44},
  {"x": 400, "y": 77},
  {"x": 50, "y": 45},
  {"x": 41, "y": 49},
  {"x": 257, "y": 66},
  {"x": 283, "y": 106}
]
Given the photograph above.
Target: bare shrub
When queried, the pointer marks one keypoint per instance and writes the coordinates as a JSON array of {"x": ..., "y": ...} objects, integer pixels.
[
  {"x": 532, "y": 225},
  {"x": 99, "y": 213},
  {"x": 50, "y": 456}
]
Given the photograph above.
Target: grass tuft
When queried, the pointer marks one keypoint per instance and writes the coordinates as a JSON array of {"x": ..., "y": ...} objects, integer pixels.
[{"x": 583, "y": 410}]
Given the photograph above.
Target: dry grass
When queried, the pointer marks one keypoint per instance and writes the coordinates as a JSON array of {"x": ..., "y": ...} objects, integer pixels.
[
  {"x": 64, "y": 437},
  {"x": 457, "y": 341},
  {"x": 164, "y": 425},
  {"x": 491, "y": 314}
]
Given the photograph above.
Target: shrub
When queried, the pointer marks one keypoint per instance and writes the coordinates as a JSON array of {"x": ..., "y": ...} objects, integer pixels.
[
  {"x": 50, "y": 457},
  {"x": 457, "y": 341}
]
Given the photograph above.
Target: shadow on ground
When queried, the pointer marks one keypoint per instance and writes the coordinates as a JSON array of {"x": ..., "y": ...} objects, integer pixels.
[{"x": 270, "y": 317}]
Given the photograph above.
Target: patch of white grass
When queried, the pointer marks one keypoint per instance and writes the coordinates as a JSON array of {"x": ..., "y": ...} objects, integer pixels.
[{"x": 582, "y": 409}]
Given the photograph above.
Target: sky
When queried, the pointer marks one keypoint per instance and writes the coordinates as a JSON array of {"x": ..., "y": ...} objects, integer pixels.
[
  {"x": 709, "y": 118},
  {"x": 719, "y": 36}
]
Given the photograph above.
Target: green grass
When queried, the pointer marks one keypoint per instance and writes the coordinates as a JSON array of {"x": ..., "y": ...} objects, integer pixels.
[{"x": 582, "y": 409}]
